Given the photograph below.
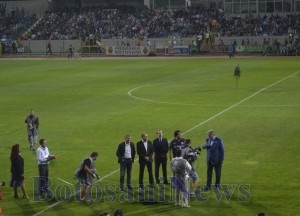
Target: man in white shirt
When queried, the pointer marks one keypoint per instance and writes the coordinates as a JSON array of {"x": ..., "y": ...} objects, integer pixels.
[
  {"x": 43, "y": 157},
  {"x": 126, "y": 154},
  {"x": 145, "y": 152}
]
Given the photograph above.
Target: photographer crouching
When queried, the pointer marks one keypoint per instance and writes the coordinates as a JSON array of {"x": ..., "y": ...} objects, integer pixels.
[{"x": 190, "y": 155}]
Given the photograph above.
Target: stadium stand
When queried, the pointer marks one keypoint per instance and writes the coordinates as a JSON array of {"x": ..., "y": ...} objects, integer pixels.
[{"x": 92, "y": 24}]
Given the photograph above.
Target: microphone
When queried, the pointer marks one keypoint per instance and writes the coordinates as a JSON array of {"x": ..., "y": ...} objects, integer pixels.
[{"x": 204, "y": 146}]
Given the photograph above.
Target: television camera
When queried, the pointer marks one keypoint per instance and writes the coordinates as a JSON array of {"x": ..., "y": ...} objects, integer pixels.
[{"x": 192, "y": 154}]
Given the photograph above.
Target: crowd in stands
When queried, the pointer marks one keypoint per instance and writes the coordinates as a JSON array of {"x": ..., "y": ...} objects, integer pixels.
[
  {"x": 94, "y": 24},
  {"x": 130, "y": 22},
  {"x": 13, "y": 24}
]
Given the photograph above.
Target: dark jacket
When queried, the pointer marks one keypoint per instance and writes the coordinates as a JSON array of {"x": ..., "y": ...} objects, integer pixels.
[
  {"x": 121, "y": 151},
  {"x": 143, "y": 153},
  {"x": 215, "y": 152},
  {"x": 160, "y": 148},
  {"x": 17, "y": 167}
]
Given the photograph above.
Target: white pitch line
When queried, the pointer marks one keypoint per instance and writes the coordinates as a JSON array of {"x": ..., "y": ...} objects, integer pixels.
[
  {"x": 153, "y": 101},
  {"x": 65, "y": 181},
  {"x": 109, "y": 174},
  {"x": 238, "y": 103},
  {"x": 205, "y": 105},
  {"x": 198, "y": 125}
]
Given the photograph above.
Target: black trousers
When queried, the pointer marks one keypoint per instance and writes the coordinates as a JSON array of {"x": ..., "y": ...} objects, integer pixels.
[
  {"x": 125, "y": 166},
  {"x": 217, "y": 168},
  {"x": 149, "y": 168},
  {"x": 43, "y": 174},
  {"x": 161, "y": 160}
]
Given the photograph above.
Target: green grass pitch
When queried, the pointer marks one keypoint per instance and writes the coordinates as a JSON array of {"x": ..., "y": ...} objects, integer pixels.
[{"x": 89, "y": 105}]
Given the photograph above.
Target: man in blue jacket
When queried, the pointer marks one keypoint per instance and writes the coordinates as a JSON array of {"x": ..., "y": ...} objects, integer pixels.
[{"x": 214, "y": 158}]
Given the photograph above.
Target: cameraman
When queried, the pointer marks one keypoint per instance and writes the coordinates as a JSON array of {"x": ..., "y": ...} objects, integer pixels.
[{"x": 190, "y": 155}]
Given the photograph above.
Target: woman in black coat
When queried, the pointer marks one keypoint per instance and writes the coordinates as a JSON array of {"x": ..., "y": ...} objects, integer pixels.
[{"x": 17, "y": 170}]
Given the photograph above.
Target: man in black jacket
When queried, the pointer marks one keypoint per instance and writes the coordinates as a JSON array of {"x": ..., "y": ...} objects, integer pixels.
[
  {"x": 161, "y": 148},
  {"x": 145, "y": 151},
  {"x": 126, "y": 154}
]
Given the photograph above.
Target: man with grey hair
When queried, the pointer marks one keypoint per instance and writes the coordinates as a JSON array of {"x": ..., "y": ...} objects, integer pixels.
[
  {"x": 126, "y": 154},
  {"x": 214, "y": 158}
]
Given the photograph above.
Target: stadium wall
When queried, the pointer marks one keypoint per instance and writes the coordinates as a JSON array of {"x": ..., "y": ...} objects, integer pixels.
[
  {"x": 61, "y": 47},
  {"x": 162, "y": 42}
]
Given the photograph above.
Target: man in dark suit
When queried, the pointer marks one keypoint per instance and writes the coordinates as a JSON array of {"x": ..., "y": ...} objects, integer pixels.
[
  {"x": 126, "y": 154},
  {"x": 160, "y": 148},
  {"x": 145, "y": 151},
  {"x": 214, "y": 158}
]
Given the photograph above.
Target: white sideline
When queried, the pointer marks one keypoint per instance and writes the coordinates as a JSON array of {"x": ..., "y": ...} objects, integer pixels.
[
  {"x": 238, "y": 103},
  {"x": 196, "y": 126}
]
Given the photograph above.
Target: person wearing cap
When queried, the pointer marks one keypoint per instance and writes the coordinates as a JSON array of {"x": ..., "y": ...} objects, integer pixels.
[{"x": 214, "y": 158}]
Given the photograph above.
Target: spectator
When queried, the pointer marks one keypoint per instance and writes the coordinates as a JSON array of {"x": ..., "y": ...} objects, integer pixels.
[{"x": 49, "y": 48}]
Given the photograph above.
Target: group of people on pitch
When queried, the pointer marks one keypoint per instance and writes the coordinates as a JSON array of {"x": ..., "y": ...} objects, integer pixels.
[
  {"x": 179, "y": 151},
  {"x": 182, "y": 157}
]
